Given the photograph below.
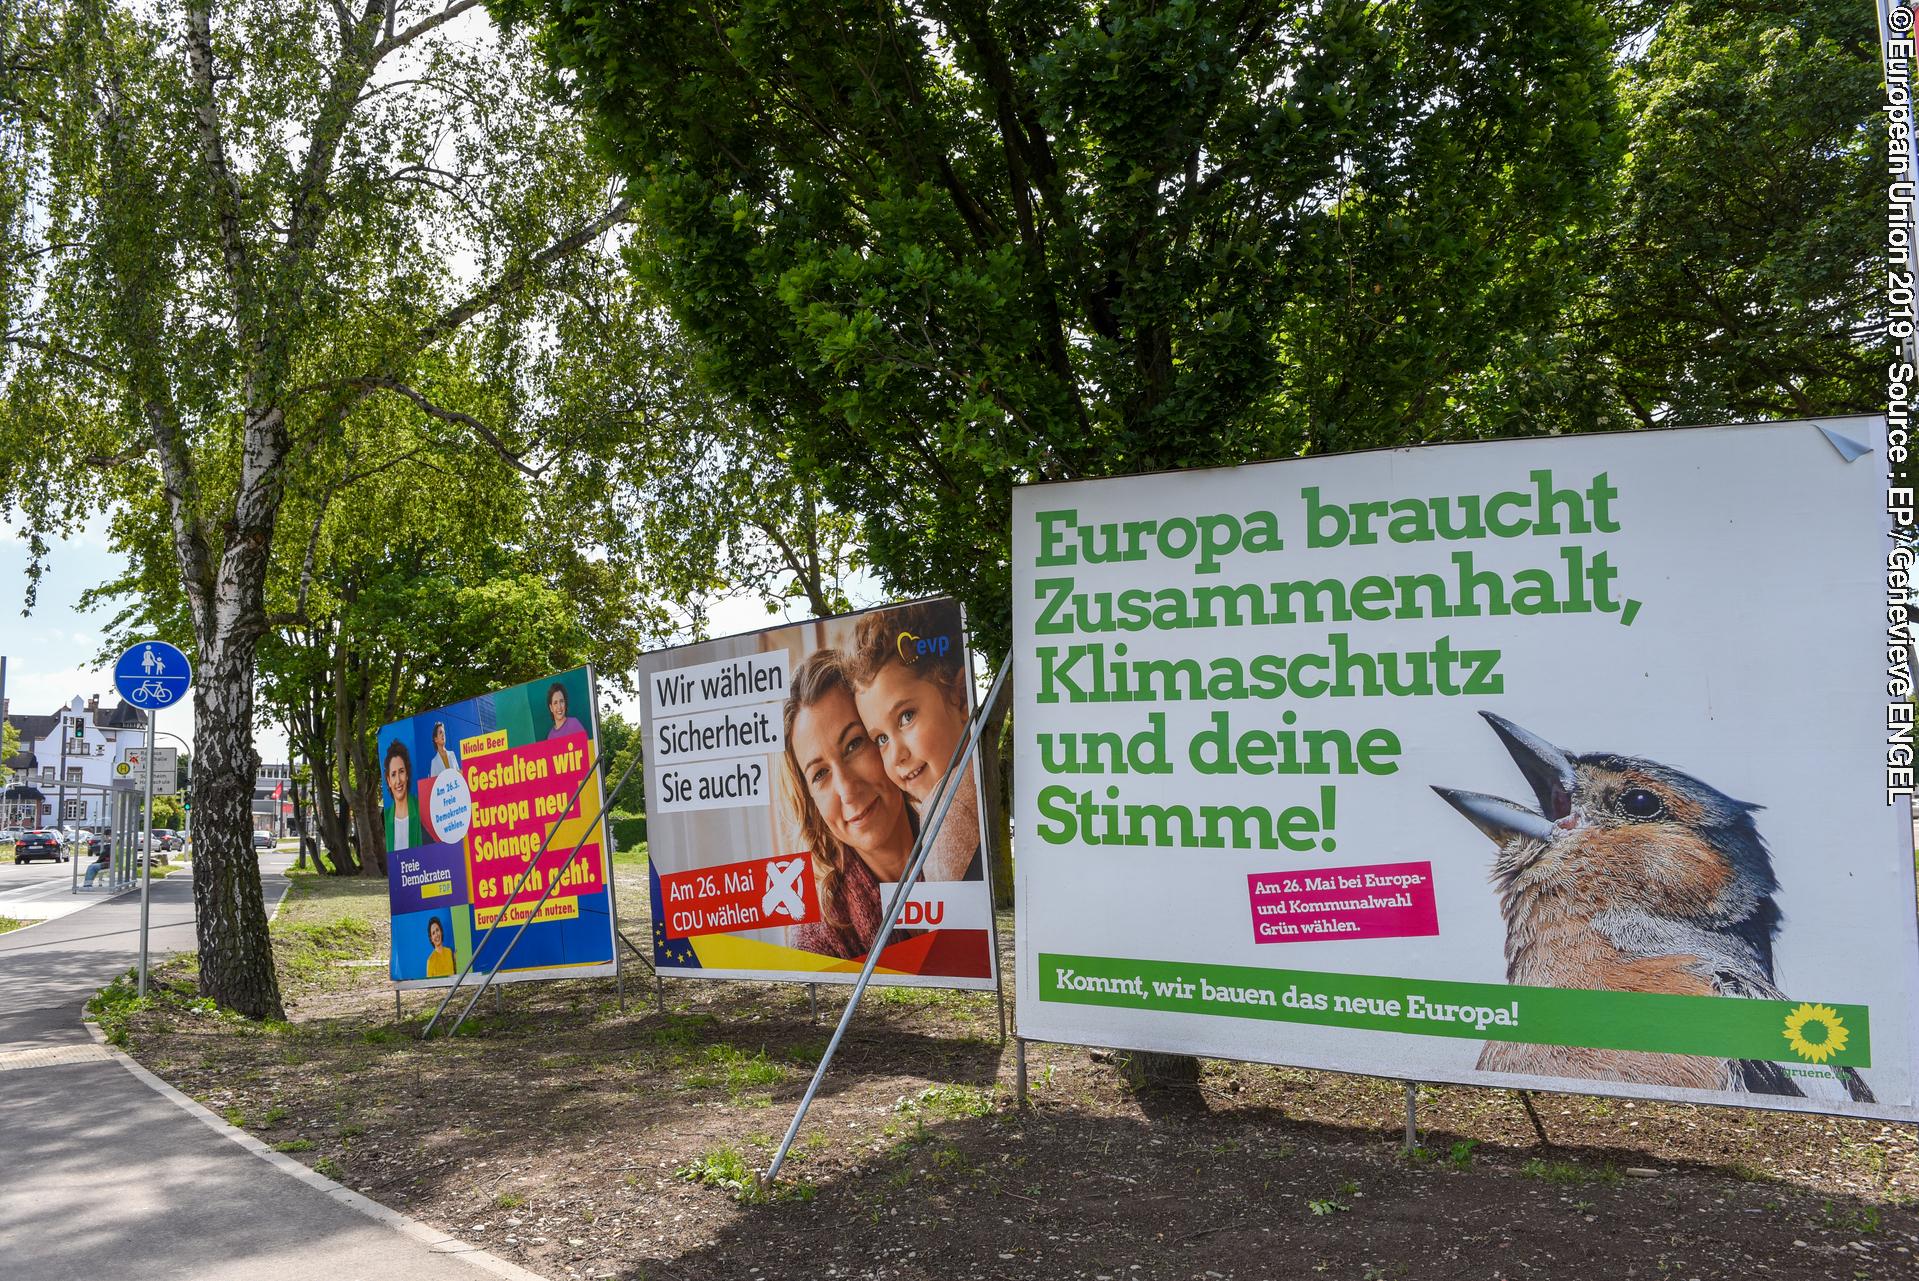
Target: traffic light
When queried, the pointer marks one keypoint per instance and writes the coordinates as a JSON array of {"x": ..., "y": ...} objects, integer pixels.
[{"x": 79, "y": 729}]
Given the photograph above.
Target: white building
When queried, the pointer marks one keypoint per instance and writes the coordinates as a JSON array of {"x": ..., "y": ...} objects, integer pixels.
[{"x": 79, "y": 745}]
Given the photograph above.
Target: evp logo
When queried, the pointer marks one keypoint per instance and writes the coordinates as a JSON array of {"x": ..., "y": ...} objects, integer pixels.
[{"x": 913, "y": 648}]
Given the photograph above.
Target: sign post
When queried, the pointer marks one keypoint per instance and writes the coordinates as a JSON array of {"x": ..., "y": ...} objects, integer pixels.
[{"x": 150, "y": 675}]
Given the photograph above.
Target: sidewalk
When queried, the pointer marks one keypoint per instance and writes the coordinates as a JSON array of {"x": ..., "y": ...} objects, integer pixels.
[{"x": 106, "y": 1178}]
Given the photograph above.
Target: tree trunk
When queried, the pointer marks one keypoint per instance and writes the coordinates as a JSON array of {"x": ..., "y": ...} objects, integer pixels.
[
  {"x": 995, "y": 765},
  {"x": 316, "y": 747},
  {"x": 359, "y": 780},
  {"x": 230, "y": 923},
  {"x": 1152, "y": 1070}
]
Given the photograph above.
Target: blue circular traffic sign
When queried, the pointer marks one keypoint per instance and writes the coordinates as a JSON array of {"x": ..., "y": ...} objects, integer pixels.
[{"x": 152, "y": 674}]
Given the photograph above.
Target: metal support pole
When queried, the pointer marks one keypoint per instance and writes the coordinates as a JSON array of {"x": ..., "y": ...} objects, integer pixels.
[
  {"x": 60, "y": 814},
  {"x": 1019, "y": 1072},
  {"x": 398, "y": 1015},
  {"x": 659, "y": 985},
  {"x": 922, "y": 846},
  {"x": 146, "y": 860},
  {"x": 552, "y": 884},
  {"x": 1412, "y": 1128},
  {"x": 644, "y": 958},
  {"x": 813, "y": 999},
  {"x": 1000, "y": 992},
  {"x": 1526, "y": 1098}
]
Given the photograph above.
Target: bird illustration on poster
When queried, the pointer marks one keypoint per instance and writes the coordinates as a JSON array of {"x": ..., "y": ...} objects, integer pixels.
[{"x": 1634, "y": 876}]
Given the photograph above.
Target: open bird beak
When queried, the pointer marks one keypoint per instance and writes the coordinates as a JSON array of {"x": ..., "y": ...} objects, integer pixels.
[
  {"x": 1501, "y": 820},
  {"x": 1549, "y": 770}
]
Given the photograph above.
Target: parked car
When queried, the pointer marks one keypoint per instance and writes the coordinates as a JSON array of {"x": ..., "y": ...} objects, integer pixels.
[
  {"x": 9, "y": 835},
  {"x": 264, "y": 841},
  {"x": 100, "y": 845},
  {"x": 166, "y": 838},
  {"x": 42, "y": 843}
]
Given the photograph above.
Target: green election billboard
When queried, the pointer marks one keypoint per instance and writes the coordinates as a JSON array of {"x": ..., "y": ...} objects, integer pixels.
[{"x": 1557, "y": 763}]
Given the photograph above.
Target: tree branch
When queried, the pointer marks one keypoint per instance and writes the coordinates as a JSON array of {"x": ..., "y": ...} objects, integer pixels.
[
  {"x": 213, "y": 152},
  {"x": 421, "y": 27},
  {"x": 58, "y": 352},
  {"x": 516, "y": 274},
  {"x": 458, "y": 419}
]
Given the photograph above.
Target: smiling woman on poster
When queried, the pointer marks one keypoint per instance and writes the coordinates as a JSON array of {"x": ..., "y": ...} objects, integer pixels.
[
  {"x": 442, "y": 760},
  {"x": 855, "y": 818},
  {"x": 563, "y": 724},
  {"x": 439, "y": 961},
  {"x": 404, "y": 829}
]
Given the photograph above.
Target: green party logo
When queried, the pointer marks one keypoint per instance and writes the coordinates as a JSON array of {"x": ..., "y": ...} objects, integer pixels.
[{"x": 1815, "y": 1032}]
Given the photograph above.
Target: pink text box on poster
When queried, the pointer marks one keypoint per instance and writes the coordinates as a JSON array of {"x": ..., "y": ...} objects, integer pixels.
[{"x": 1373, "y": 901}]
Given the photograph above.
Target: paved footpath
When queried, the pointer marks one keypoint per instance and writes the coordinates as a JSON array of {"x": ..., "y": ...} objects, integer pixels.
[{"x": 102, "y": 1177}]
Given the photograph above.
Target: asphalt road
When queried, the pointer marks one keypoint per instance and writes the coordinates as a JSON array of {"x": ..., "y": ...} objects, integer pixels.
[{"x": 102, "y": 1177}]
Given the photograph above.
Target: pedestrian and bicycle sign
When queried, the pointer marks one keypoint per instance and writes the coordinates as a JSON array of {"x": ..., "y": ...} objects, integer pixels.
[{"x": 152, "y": 674}]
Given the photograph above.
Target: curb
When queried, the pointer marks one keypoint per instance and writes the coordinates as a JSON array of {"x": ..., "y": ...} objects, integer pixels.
[
  {"x": 92, "y": 902},
  {"x": 432, "y": 1238}
]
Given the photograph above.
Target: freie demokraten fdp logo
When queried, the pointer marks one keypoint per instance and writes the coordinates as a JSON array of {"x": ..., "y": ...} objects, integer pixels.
[{"x": 913, "y": 648}]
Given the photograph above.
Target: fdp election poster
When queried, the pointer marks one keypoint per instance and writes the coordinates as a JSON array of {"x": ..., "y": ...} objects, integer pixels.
[
  {"x": 788, "y": 772},
  {"x": 1557, "y": 763},
  {"x": 471, "y": 792}
]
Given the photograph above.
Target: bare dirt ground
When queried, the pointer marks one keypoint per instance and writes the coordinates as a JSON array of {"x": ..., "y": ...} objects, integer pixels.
[{"x": 586, "y": 1142}]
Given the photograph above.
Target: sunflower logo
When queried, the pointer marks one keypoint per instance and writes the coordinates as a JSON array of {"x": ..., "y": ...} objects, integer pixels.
[{"x": 1815, "y": 1032}]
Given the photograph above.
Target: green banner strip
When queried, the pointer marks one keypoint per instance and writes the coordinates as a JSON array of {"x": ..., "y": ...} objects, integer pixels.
[{"x": 1721, "y": 1026}]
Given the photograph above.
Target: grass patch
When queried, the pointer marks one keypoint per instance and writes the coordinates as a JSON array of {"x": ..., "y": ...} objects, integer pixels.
[
  {"x": 1568, "y": 1172},
  {"x": 722, "y": 1167},
  {"x": 11, "y": 923},
  {"x": 725, "y": 1167},
  {"x": 682, "y": 1031},
  {"x": 294, "y": 1145},
  {"x": 307, "y": 951},
  {"x": 731, "y": 1068},
  {"x": 114, "y": 1006},
  {"x": 947, "y": 1103},
  {"x": 509, "y": 1201},
  {"x": 919, "y": 998}
]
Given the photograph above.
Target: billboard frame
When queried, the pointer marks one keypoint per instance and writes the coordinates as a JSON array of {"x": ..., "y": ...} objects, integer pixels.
[
  {"x": 1834, "y": 429},
  {"x": 814, "y": 980}
]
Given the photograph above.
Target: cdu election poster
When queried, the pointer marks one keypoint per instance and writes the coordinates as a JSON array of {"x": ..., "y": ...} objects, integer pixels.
[
  {"x": 788, "y": 773},
  {"x": 471, "y": 791},
  {"x": 1574, "y": 764}
]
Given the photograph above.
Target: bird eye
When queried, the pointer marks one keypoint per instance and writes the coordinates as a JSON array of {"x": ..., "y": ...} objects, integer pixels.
[{"x": 1640, "y": 803}]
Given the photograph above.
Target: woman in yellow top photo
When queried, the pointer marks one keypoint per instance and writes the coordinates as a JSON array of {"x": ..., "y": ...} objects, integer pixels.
[{"x": 439, "y": 965}]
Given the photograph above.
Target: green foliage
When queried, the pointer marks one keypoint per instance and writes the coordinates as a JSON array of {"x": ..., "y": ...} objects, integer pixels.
[
  {"x": 629, "y": 832},
  {"x": 1739, "y": 279},
  {"x": 169, "y": 812},
  {"x": 942, "y": 251}
]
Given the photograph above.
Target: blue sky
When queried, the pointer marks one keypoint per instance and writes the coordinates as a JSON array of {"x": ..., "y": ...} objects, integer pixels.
[{"x": 51, "y": 652}]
